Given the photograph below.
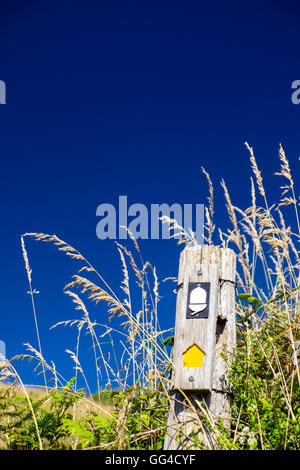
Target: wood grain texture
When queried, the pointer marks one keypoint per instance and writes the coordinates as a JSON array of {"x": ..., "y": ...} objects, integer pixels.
[
  {"x": 199, "y": 331},
  {"x": 215, "y": 337}
]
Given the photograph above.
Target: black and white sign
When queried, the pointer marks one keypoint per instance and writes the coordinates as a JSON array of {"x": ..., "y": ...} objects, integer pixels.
[{"x": 198, "y": 300}]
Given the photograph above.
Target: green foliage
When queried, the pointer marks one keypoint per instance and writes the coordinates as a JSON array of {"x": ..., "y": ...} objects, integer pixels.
[
  {"x": 145, "y": 419},
  {"x": 265, "y": 412},
  {"x": 251, "y": 299},
  {"x": 140, "y": 423},
  {"x": 169, "y": 341},
  {"x": 138, "y": 420},
  {"x": 17, "y": 425},
  {"x": 90, "y": 431}
]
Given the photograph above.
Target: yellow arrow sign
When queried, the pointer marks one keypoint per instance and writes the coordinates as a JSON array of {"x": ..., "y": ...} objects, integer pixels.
[{"x": 193, "y": 357}]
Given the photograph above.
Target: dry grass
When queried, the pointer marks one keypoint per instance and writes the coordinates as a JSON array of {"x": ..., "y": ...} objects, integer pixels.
[
  {"x": 265, "y": 246},
  {"x": 143, "y": 359}
]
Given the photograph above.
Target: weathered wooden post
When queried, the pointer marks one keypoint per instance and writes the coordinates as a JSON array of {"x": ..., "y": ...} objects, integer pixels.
[{"x": 204, "y": 328}]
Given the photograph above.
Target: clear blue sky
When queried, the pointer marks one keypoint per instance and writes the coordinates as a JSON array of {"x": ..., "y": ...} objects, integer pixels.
[{"x": 129, "y": 98}]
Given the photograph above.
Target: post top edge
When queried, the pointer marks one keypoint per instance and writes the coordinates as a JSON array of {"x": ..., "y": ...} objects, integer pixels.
[{"x": 199, "y": 248}]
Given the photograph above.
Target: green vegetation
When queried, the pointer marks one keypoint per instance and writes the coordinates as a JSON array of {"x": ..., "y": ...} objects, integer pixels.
[{"x": 131, "y": 413}]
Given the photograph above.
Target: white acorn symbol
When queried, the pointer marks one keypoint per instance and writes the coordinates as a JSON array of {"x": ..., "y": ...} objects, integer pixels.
[{"x": 197, "y": 300}]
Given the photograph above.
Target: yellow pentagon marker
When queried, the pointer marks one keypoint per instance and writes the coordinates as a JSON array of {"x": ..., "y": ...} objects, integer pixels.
[{"x": 193, "y": 357}]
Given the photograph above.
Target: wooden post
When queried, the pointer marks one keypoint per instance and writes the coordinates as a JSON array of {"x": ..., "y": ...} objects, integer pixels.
[{"x": 204, "y": 328}]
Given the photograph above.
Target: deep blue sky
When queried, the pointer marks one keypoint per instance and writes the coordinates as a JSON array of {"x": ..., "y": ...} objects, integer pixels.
[{"x": 129, "y": 98}]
